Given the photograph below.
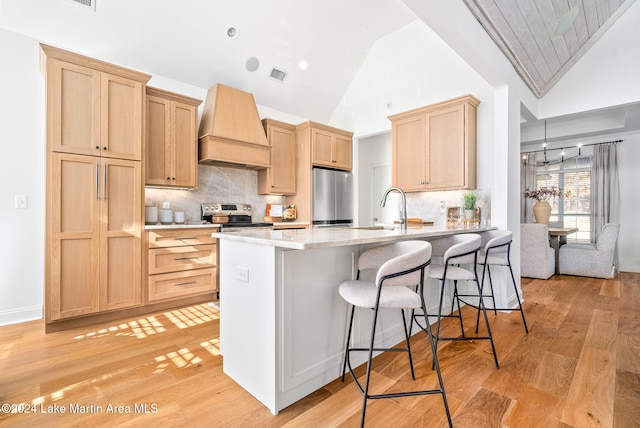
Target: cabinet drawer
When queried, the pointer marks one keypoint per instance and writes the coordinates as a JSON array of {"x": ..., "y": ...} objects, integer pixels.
[
  {"x": 182, "y": 284},
  {"x": 180, "y": 237},
  {"x": 174, "y": 259}
]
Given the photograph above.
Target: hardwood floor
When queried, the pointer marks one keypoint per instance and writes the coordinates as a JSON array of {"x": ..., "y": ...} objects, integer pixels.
[{"x": 579, "y": 366}]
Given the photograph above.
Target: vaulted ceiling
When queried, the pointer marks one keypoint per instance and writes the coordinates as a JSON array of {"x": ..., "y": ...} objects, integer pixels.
[
  {"x": 320, "y": 44},
  {"x": 544, "y": 38}
]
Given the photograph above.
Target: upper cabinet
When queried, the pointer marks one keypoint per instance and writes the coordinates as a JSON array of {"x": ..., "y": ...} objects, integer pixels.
[
  {"x": 434, "y": 147},
  {"x": 172, "y": 142},
  {"x": 330, "y": 147},
  {"x": 280, "y": 179},
  {"x": 93, "y": 108}
]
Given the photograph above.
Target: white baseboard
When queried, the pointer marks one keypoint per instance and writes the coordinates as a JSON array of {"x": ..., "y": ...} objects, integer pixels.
[{"x": 15, "y": 316}]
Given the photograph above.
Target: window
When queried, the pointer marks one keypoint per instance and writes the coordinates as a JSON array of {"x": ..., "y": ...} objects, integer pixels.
[{"x": 569, "y": 170}]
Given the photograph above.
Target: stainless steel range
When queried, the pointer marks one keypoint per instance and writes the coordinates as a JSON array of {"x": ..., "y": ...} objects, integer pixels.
[{"x": 239, "y": 216}]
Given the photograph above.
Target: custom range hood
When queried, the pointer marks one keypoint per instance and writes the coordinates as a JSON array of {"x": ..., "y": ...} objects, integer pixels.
[{"x": 231, "y": 132}]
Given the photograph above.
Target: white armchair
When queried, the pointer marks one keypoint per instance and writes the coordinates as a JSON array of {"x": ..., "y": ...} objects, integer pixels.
[
  {"x": 595, "y": 260},
  {"x": 537, "y": 258}
]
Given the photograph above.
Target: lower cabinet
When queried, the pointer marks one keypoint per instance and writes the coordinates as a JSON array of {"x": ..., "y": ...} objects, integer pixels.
[
  {"x": 93, "y": 235},
  {"x": 181, "y": 263}
]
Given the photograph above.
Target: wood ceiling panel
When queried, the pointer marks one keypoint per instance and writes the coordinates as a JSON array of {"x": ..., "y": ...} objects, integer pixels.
[{"x": 529, "y": 33}]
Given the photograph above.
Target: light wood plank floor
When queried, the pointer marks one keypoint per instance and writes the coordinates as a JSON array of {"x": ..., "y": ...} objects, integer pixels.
[{"x": 579, "y": 366}]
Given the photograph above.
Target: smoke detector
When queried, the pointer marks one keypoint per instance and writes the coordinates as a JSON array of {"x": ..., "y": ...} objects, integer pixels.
[
  {"x": 89, "y": 4},
  {"x": 277, "y": 74}
]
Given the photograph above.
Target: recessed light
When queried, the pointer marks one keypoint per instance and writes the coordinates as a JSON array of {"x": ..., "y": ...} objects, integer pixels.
[
  {"x": 302, "y": 65},
  {"x": 232, "y": 32}
]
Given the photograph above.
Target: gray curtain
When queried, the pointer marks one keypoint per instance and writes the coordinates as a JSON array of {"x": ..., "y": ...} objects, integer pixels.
[
  {"x": 527, "y": 181},
  {"x": 605, "y": 192}
]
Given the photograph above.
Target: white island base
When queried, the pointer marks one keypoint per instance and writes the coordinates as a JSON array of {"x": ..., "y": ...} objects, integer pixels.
[{"x": 282, "y": 322}]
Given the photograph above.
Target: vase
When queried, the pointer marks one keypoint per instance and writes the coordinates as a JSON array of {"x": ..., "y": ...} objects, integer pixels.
[
  {"x": 542, "y": 212},
  {"x": 469, "y": 214}
]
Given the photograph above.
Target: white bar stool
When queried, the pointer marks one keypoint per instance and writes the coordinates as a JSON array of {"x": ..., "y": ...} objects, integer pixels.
[
  {"x": 497, "y": 252},
  {"x": 462, "y": 249},
  {"x": 388, "y": 272}
]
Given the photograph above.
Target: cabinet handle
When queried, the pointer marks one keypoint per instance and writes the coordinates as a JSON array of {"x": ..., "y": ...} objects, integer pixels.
[
  {"x": 104, "y": 148},
  {"x": 186, "y": 237},
  {"x": 104, "y": 183},
  {"x": 98, "y": 147},
  {"x": 185, "y": 283},
  {"x": 187, "y": 258},
  {"x": 97, "y": 180}
]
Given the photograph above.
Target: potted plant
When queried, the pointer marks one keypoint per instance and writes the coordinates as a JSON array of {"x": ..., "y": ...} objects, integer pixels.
[
  {"x": 469, "y": 200},
  {"x": 542, "y": 208}
]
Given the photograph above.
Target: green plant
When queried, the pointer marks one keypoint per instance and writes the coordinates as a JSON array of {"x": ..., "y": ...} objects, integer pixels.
[{"x": 469, "y": 200}]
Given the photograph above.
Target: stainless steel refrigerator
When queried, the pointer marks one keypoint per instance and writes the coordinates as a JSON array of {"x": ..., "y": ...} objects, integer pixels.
[{"x": 332, "y": 198}]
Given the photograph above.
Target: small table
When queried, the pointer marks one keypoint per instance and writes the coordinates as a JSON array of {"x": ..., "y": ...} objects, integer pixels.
[{"x": 558, "y": 237}]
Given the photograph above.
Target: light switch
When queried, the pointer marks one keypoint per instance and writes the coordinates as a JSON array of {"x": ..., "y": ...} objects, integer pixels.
[{"x": 21, "y": 201}]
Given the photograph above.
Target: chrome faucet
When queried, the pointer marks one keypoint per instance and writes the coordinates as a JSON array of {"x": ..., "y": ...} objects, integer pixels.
[{"x": 403, "y": 214}]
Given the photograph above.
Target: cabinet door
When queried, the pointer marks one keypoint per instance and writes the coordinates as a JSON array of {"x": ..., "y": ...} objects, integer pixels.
[
  {"x": 410, "y": 155},
  {"x": 343, "y": 148},
  {"x": 283, "y": 160},
  {"x": 446, "y": 134},
  {"x": 73, "y": 108},
  {"x": 158, "y": 158},
  {"x": 120, "y": 237},
  {"x": 184, "y": 149},
  {"x": 121, "y": 117},
  {"x": 321, "y": 144},
  {"x": 74, "y": 228}
]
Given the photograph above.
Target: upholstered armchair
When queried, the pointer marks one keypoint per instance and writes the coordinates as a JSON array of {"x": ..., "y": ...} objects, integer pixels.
[
  {"x": 537, "y": 258},
  {"x": 595, "y": 260}
]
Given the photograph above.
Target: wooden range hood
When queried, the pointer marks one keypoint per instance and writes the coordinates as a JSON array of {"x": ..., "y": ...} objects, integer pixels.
[{"x": 231, "y": 133}]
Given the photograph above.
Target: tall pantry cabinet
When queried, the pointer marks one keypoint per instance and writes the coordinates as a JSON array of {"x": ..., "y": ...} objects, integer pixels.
[{"x": 94, "y": 185}]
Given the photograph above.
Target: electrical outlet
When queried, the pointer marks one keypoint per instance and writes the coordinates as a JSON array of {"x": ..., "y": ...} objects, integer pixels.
[
  {"x": 21, "y": 201},
  {"x": 243, "y": 273}
]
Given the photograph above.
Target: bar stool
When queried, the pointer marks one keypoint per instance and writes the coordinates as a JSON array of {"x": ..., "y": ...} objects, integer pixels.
[
  {"x": 385, "y": 275},
  {"x": 462, "y": 249},
  {"x": 497, "y": 252}
]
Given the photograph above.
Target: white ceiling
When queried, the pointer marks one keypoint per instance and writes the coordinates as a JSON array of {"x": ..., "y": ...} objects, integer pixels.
[{"x": 186, "y": 41}]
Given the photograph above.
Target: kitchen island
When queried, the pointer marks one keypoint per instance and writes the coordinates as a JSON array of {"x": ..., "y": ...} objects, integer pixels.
[{"x": 282, "y": 322}]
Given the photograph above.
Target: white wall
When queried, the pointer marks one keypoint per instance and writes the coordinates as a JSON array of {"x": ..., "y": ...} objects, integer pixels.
[
  {"x": 22, "y": 173},
  {"x": 629, "y": 175}
]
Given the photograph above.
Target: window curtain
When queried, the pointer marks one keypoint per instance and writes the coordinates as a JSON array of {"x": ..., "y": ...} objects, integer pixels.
[
  {"x": 527, "y": 181},
  {"x": 605, "y": 192}
]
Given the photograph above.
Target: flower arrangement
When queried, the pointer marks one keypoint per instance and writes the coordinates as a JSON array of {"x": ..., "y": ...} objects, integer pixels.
[{"x": 544, "y": 193}]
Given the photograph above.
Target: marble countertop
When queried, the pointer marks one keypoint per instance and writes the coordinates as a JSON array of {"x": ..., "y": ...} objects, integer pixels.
[{"x": 301, "y": 239}]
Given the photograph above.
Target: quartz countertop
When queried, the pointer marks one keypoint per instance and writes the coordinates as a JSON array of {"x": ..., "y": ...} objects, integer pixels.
[
  {"x": 301, "y": 239},
  {"x": 182, "y": 226}
]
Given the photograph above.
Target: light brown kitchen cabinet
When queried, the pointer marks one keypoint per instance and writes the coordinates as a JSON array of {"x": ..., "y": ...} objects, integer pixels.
[
  {"x": 182, "y": 262},
  {"x": 434, "y": 147},
  {"x": 172, "y": 141},
  {"x": 315, "y": 141},
  {"x": 280, "y": 178},
  {"x": 94, "y": 235},
  {"x": 93, "y": 108},
  {"x": 330, "y": 147},
  {"x": 94, "y": 198}
]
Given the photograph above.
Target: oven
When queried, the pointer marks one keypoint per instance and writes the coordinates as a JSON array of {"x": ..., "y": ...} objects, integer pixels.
[{"x": 232, "y": 217}]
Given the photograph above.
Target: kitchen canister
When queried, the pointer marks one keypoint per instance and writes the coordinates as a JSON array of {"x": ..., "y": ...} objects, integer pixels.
[
  {"x": 178, "y": 217},
  {"x": 166, "y": 216},
  {"x": 151, "y": 215}
]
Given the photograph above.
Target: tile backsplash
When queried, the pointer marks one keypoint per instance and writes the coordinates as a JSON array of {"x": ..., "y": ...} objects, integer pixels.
[
  {"x": 215, "y": 184},
  {"x": 427, "y": 205}
]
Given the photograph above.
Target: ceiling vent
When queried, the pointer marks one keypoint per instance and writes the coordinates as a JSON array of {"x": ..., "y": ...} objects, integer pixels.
[
  {"x": 278, "y": 75},
  {"x": 89, "y": 4}
]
